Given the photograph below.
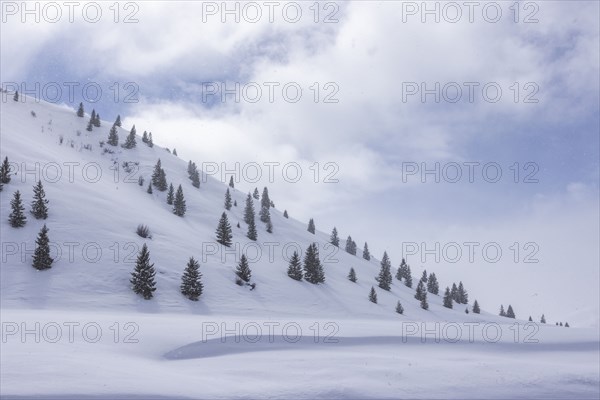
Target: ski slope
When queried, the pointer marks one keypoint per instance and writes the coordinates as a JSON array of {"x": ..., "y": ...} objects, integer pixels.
[{"x": 170, "y": 347}]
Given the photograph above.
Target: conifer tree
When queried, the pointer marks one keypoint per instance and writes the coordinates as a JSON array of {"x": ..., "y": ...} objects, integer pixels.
[
  {"x": 249, "y": 210},
  {"x": 224, "y": 234},
  {"x": 566, "y": 324},
  {"x": 265, "y": 215},
  {"x": 448, "y": 299},
  {"x": 350, "y": 246},
  {"x": 17, "y": 217},
  {"x": 149, "y": 190},
  {"x": 243, "y": 269},
  {"x": 462, "y": 294},
  {"x": 145, "y": 137},
  {"x": 113, "y": 137},
  {"x": 179, "y": 207},
  {"x": 352, "y": 275},
  {"x": 150, "y": 142},
  {"x": 285, "y": 214},
  {"x": 96, "y": 121},
  {"x": 196, "y": 179},
  {"x": 130, "y": 142},
  {"x": 175, "y": 152},
  {"x": 476, "y": 309},
  {"x": 366, "y": 253},
  {"x": 38, "y": 205},
  {"x": 334, "y": 239},
  {"x": 170, "y": 195},
  {"x": 227, "y": 200},
  {"x": 424, "y": 276},
  {"x": 5, "y": 171},
  {"x": 467, "y": 310},
  {"x": 16, "y": 96},
  {"x": 41, "y": 255},
  {"x": 424, "y": 303},
  {"x": 191, "y": 284},
  {"x": 159, "y": 177},
  {"x": 265, "y": 202},
  {"x": 401, "y": 272},
  {"x": 432, "y": 284},
  {"x": 502, "y": 312},
  {"x": 255, "y": 194},
  {"x": 385, "y": 275},
  {"x": 420, "y": 292},
  {"x": 408, "y": 281},
  {"x": 80, "y": 112},
  {"x": 269, "y": 226},
  {"x": 560, "y": 324},
  {"x": 93, "y": 117},
  {"x": 295, "y": 267},
  {"x": 454, "y": 293},
  {"x": 118, "y": 121},
  {"x": 231, "y": 185},
  {"x": 311, "y": 226},
  {"x": 509, "y": 312},
  {"x": 235, "y": 203},
  {"x": 530, "y": 319},
  {"x": 252, "y": 234},
  {"x": 399, "y": 308},
  {"x": 543, "y": 320},
  {"x": 90, "y": 125},
  {"x": 142, "y": 278},
  {"x": 313, "y": 270},
  {"x": 373, "y": 295}
]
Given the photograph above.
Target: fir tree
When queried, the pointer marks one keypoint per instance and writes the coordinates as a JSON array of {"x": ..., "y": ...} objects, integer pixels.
[
  {"x": 265, "y": 215},
  {"x": 224, "y": 234},
  {"x": 80, "y": 112},
  {"x": 235, "y": 203},
  {"x": 191, "y": 285},
  {"x": 175, "y": 152},
  {"x": 249, "y": 210},
  {"x": 231, "y": 185},
  {"x": 17, "y": 217},
  {"x": 96, "y": 121},
  {"x": 454, "y": 293},
  {"x": 41, "y": 256},
  {"x": 252, "y": 234},
  {"x": 295, "y": 268},
  {"x": 467, "y": 310},
  {"x": 352, "y": 275},
  {"x": 272, "y": 204},
  {"x": 285, "y": 214},
  {"x": 566, "y": 324},
  {"x": 265, "y": 202},
  {"x": 530, "y": 319},
  {"x": 560, "y": 324},
  {"x": 424, "y": 303},
  {"x": 113, "y": 137},
  {"x": 311, "y": 226},
  {"x": 432, "y": 284},
  {"x": 462, "y": 294},
  {"x": 16, "y": 96},
  {"x": 150, "y": 143},
  {"x": 385, "y": 275},
  {"x": 399, "y": 308},
  {"x": 255, "y": 194},
  {"x": 149, "y": 190},
  {"x": 313, "y": 270},
  {"x": 373, "y": 295},
  {"x": 543, "y": 319},
  {"x": 38, "y": 205},
  {"x": 401, "y": 272},
  {"x": 159, "y": 177},
  {"x": 196, "y": 179},
  {"x": 93, "y": 117},
  {"x": 243, "y": 269},
  {"x": 350, "y": 246},
  {"x": 334, "y": 239},
  {"x": 448, "y": 299},
  {"x": 502, "y": 312},
  {"x": 89, "y": 126},
  {"x": 170, "y": 194},
  {"x": 118, "y": 121},
  {"x": 424, "y": 276},
  {"x": 5, "y": 171},
  {"x": 145, "y": 137},
  {"x": 366, "y": 254},
  {"x": 238, "y": 225},
  {"x": 179, "y": 207},
  {"x": 227, "y": 200},
  {"x": 420, "y": 292},
  {"x": 130, "y": 142},
  {"x": 408, "y": 277},
  {"x": 476, "y": 309},
  {"x": 142, "y": 278},
  {"x": 509, "y": 312}
]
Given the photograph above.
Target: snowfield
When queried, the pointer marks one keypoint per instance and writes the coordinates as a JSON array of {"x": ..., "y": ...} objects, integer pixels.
[{"x": 78, "y": 331}]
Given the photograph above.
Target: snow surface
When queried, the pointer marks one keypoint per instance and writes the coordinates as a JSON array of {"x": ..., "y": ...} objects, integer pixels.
[{"x": 347, "y": 347}]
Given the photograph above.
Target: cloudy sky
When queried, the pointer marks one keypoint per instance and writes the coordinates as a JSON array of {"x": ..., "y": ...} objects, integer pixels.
[{"x": 518, "y": 91}]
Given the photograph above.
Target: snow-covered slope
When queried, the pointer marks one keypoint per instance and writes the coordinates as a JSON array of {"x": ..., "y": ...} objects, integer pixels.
[{"x": 176, "y": 343}]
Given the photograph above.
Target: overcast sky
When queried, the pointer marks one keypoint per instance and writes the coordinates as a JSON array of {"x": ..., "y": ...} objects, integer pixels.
[{"x": 368, "y": 128}]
